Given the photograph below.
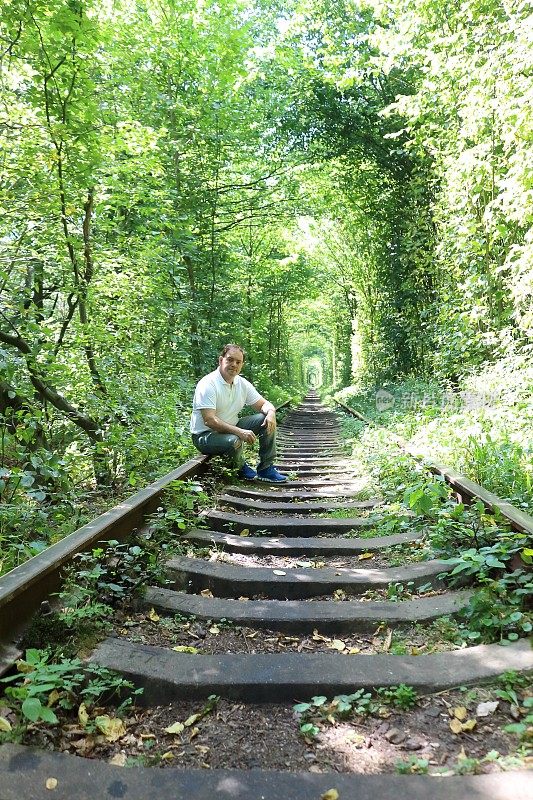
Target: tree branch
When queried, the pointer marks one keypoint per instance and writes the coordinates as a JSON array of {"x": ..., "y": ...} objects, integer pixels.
[{"x": 49, "y": 393}]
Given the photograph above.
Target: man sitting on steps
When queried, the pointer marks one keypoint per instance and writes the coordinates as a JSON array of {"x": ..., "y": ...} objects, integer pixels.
[{"x": 215, "y": 425}]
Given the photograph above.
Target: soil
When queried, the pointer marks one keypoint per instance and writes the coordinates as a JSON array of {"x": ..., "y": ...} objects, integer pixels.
[
  {"x": 235, "y": 735},
  {"x": 380, "y": 559},
  {"x": 224, "y": 637}
]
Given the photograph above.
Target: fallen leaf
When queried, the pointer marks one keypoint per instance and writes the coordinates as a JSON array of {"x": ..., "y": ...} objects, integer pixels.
[
  {"x": 456, "y": 726},
  {"x": 53, "y": 697},
  {"x": 118, "y": 760},
  {"x": 339, "y": 594},
  {"x": 191, "y": 720},
  {"x": 469, "y": 725},
  {"x": 5, "y": 725},
  {"x": 83, "y": 716},
  {"x": 153, "y": 616},
  {"x": 363, "y": 556},
  {"x": 278, "y": 572},
  {"x": 252, "y": 635},
  {"x": 317, "y": 637},
  {"x": 214, "y": 629},
  {"x": 331, "y": 794},
  {"x": 177, "y": 727},
  {"x": 85, "y": 745},
  {"x": 51, "y": 783},
  {"x": 245, "y": 532},
  {"x": 206, "y": 593},
  {"x": 353, "y": 651},
  {"x": 203, "y": 749},
  {"x": 243, "y": 598},
  {"x": 485, "y": 709},
  {"x": 460, "y": 712},
  {"x": 112, "y": 727},
  {"x": 168, "y": 756},
  {"x": 388, "y": 640},
  {"x": 337, "y": 644},
  {"x": 194, "y": 732},
  {"x": 183, "y": 648}
]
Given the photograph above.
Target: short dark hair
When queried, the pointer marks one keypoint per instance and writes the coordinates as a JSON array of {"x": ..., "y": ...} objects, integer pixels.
[{"x": 232, "y": 347}]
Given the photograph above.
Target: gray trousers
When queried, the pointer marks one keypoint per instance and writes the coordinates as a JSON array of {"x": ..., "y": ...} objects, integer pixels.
[{"x": 229, "y": 445}]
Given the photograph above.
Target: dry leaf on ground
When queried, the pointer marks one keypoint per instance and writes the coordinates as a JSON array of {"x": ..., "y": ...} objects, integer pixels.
[
  {"x": 456, "y": 726},
  {"x": 112, "y": 727},
  {"x": 337, "y": 644},
  {"x": 83, "y": 716},
  {"x": 177, "y": 727},
  {"x": 118, "y": 760}
]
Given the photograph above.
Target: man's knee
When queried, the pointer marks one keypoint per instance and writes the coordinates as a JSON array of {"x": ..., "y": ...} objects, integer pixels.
[{"x": 237, "y": 444}]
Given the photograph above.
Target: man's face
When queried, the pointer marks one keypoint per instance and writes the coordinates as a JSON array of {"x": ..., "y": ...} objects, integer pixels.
[{"x": 230, "y": 364}]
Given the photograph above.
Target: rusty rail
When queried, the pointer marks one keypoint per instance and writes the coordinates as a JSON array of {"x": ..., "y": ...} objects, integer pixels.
[
  {"x": 24, "y": 588},
  {"x": 465, "y": 489}
]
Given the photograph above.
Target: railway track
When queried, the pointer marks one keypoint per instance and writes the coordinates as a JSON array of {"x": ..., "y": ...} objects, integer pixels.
[{"x": 266, "y": 565}]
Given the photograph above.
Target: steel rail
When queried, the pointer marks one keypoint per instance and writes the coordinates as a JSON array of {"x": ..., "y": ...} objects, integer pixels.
[
  {"x": 465, "y": 489},
  {"x": 23, "y": 589}
]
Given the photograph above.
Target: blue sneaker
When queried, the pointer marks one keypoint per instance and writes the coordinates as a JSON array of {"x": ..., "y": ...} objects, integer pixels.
[
  {"x": 247, "y": 473},
  {"x": 271, "y": 475}
]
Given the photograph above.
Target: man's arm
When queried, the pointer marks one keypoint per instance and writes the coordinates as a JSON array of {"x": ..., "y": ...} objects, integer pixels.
[
  {"x": 266, "y": 408},
  {"x": 216, "y": 424}
]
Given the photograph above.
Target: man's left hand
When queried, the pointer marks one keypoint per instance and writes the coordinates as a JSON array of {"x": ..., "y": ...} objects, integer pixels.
[{"x": 269, "y": 422}]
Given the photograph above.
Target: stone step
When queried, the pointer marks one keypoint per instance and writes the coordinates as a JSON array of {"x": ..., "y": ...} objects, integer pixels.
[
  {"x": 323, "y": 473},
  {"x": 24, "y": 771},
  {"x": 309, "y": 437},
  {"x": 314, "y": 469},
  {"x": 313, "y": 421},
  {"x": 315, "y": 425},
  {"x": 312, "y": 481},
  {"x": 313, "y": 463},
  {"x": 266, "y": 678},
  {"x": 296, "y": 453},
  {"x": 303, "y": 616},
  {"x": 282, "y": 493},
  {"x": 316, "y": 507},
  {"x": 287, "y": 526},
  {"x": 232, "y": 580},
  {"x": 308, "y": 440},
  {"x": 308, "y": 546}
]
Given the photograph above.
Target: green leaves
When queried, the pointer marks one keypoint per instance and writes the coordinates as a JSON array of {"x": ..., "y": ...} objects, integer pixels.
[{"x": 42, "y": 683}]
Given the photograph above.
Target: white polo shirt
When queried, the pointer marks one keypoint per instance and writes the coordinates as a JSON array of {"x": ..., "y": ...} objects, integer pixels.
[{"x": 226, "y": 399}]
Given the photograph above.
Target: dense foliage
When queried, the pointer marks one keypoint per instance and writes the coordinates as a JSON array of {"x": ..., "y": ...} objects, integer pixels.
[{"x": 344, "y": 188}]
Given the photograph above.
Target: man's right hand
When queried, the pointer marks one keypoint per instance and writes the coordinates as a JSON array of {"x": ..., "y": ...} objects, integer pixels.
[{"x": 247, "y": 436}]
